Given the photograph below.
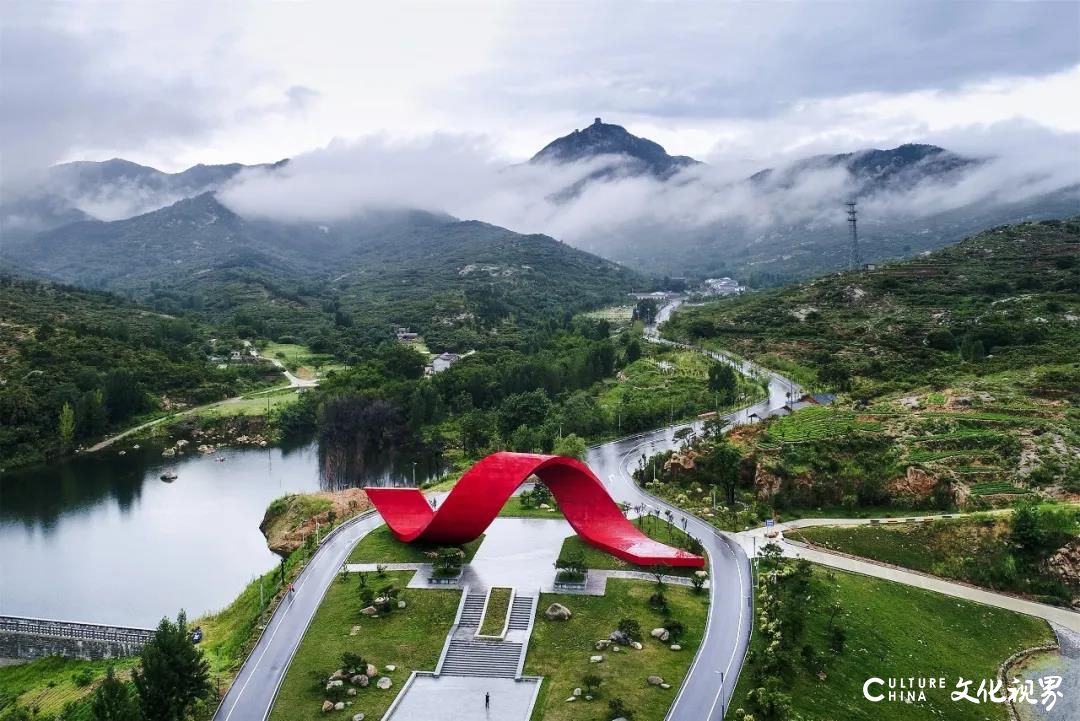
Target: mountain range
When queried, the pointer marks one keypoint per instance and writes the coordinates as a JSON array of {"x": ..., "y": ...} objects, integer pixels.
[
  {"x": 85, "y": 224},
  {"x": 455, "y": 281}
]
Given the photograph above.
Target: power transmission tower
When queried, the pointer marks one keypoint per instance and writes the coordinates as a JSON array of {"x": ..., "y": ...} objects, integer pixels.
[{"x": 854, "y": 258}]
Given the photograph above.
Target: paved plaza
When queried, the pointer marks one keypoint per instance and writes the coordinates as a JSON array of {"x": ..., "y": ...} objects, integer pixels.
[{"x": 461, "y": 698}]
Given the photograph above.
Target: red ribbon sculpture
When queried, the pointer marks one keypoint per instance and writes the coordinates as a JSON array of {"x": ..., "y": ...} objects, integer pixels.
[{"x": 477, "y": 498}]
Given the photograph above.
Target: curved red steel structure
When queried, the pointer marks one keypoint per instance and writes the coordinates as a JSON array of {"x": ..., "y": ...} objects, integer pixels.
[{"x": 477, "y": 498}]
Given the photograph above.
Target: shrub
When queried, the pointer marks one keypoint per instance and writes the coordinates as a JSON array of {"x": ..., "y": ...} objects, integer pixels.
[
  {"x": 617, "y": 709},
  {"x": 83, "y": 677},
  {"x": 630, "y": 628},
  {"x": 674, "y": 628},
  {"x": 837, "y": 638},
  {"x": 353, "y": 662}
]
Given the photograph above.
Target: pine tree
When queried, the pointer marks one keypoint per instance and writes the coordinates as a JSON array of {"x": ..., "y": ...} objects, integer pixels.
[
  {"x": 172, "y": 674},
  {"x": 113, "y": 701}
]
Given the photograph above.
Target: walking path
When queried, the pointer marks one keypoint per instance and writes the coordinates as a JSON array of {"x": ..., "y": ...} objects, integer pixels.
[
  {"x": 294, "y": 382},
  {"x": 755, "y": 539}
]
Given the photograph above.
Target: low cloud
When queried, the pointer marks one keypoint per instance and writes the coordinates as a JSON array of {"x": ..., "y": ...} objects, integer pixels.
[{"x": 461, "y": 175}]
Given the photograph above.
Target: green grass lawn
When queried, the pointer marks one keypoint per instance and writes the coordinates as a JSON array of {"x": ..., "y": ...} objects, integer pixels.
[
  {"x": 410, "y": 639},
  {"x": 50, "y": 684},
  {"x": 513, "y": 508},
  {"x": 380, "y": 546},
  {"x": 975, "y": 549},
  {"x": 898, "y": 631},
  {"x": 498, "y": 606},
  {"x": 560, "y": 650},
  {"x": 653, "y": 528},
  {"x": 301, "y": 359}
]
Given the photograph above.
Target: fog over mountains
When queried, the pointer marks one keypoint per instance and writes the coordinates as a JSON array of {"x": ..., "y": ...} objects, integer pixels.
[{"x": 603, "y": 190}]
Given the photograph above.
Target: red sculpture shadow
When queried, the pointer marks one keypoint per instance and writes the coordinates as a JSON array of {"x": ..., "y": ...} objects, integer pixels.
[{"x": 480, "y": 494}]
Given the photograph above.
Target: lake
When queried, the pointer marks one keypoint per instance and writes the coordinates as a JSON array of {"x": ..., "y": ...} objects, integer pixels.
[{"x": 102, "y": 539}]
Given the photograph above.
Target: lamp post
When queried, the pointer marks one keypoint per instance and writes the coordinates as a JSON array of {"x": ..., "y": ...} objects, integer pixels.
[{"x": 414, "y": 474}]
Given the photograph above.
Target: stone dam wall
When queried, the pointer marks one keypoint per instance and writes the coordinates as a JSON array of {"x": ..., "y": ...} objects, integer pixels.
[{"x": 30, "y": 638}]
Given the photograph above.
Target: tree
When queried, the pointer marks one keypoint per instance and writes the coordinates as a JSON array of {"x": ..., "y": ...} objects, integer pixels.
[
  {"x": 723, "y": 382},
  {"x": 67, "y": 425},
  {"x": 172, "y": 674},
  {"x": 1025, "y": 530},
  {"x": 633, "y": 351},
  {"x": 591, "y": 682},
  {"x": 113, "y": 701},
  {"x": 721, "y": 465},
  {"x": 572, "y": 446},
  {"x": 124, "y": 395},
  {"x": 92, "y": 415}
]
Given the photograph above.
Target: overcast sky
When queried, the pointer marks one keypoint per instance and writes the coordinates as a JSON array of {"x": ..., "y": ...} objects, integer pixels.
[{"x": 172, "y": 85}]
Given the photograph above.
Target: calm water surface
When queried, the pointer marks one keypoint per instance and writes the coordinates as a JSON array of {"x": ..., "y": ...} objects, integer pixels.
[{"x": 103, "y": 539}]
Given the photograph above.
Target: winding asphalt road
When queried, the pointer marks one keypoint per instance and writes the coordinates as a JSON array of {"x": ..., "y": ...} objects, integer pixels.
[
  {"x": 252, "y": 693},
  {"x": 707, "y": 688}
]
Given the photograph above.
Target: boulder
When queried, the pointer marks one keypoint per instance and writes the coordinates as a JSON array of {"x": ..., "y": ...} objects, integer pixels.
[
  {"x": 661, "y": 634},
  {"x": 384, "y": 683},
  {"x": 358, "y": 717},
  {"x": 619, "y": 637},
  {"x": 676, "y": 647},
  {"x": 655, "y": 680},
  {"x": 596, "y": 659},
  {"x": 401, "y": 604},
  {"x": 572, "y": 698},
  {"x": 545, "y": 506},
  {"x": 588, "y": 698},
  {"x": 327, "y": 706},
  {"x": 334, "y": 683},
  {"x": 557, "y": 612},
  {"x": 359, "y": 680},
  {"x": 371, "y": 670},
  {"x": 577, "y": 691},
  {"x": 635, "y": 645},
  {"x": 339, "y": 706},
  {"x": 602, "y": 644},
  {"x": 369, "y": 611},
  {"x": 665, "y": 685},
  {"x": 390, "y": 667},
  {"x": 616, "y": 649},
  {"x": 351, "y": 692},
  {"x": 364, "y": 680},
  {"x": 338, "y": 675},
  {"x": 354, "y": 630}
]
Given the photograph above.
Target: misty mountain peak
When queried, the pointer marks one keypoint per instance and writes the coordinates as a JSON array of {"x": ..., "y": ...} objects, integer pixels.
[{"x": 602, "y": 138}]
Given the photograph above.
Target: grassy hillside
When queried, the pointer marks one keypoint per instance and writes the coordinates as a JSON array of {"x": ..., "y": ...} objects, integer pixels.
[
  {"x": 108, "y": 360},
  {"x": 820, "y": 634},
  {"x": 957, "y": 374}
]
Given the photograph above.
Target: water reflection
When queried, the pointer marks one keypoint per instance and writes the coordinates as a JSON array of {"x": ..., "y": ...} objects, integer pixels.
[
  {"x": 344, "y": 467},
  {"x": 101, "y": 538}
]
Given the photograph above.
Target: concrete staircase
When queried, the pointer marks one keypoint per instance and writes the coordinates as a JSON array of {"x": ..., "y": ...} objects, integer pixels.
[
  {"x": 466, "y": 655},
  {"x": 473, "y": 657},
  {"x": 474, "y": 608},
  {"x": 521, "y": 613}
]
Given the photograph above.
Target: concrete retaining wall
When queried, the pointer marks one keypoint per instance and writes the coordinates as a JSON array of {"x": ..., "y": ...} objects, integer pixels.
[{"x": 30, "y": 638}]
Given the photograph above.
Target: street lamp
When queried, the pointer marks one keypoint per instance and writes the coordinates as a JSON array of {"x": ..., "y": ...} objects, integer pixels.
[{"x": 414, "y": 474}]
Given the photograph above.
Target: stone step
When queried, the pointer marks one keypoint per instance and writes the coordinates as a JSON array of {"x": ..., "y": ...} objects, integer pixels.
[
  {"x": 482, "y": 658},
  {"x": 521, "y": 613},
  {"x": 473, "y": 610}
]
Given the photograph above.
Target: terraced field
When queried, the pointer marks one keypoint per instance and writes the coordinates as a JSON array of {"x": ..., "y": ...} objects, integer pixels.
[{"x": 819, "y": 423}]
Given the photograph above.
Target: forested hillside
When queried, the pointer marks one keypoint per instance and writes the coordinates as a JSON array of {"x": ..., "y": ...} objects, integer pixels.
[
  {"x": 334, "y": 287},
  {"x": 957, "y": 372},
  {"x": 75, "y": 364}
]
